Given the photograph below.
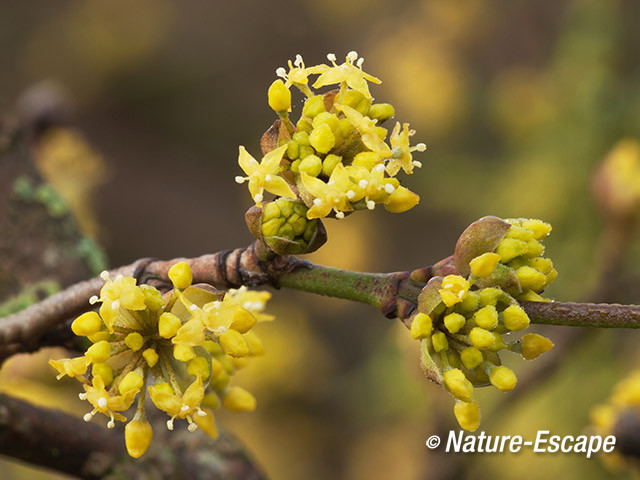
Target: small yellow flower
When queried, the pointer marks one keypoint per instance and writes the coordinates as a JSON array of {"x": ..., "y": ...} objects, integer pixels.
[
  {"x": 401, "y": 150},
  {"x": 298, "y": 74},
  {"x": 264, "y": 175},
  {"x": 328, "y": 196},
  {"x": 367, "y": 129},
  {"x": 183, "y": 406},
  {"x": 105, "y": 403},
  {"x": 350, "y": 72}
]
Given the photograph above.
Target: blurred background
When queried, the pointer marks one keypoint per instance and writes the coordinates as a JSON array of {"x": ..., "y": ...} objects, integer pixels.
[{"x": 518, "y": 103}]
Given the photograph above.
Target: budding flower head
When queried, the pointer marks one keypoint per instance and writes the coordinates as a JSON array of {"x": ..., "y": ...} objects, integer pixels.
[
  {"x": 142, "y": 337},
  {"x": 474, "y": 309}
]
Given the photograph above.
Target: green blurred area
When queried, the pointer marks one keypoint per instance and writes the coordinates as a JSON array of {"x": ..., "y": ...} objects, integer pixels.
[{"x": 517, "y": 102}]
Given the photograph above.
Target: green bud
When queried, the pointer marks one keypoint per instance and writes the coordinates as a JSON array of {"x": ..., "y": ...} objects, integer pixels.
[
  {"x": 302, "y": 138},
  {"x": 329, "y": 163},
  {"x": 293, "y": 150},
  {"x": 381, "y": 111},
  {"x": 356, "y": 100},
  {"x": 311, "y": 165},
  {"x": 322, "y": 138},
  {"x": 304, "y": 125},
  {"x": 305, "y": 151},
  {"x": 313, "y": 106}
]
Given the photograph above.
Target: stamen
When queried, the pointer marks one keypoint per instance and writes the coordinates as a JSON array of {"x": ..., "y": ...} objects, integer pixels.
[
  {"x": 363, "y": 183},
  {"x": 93, "y": 300},
  {"x": 350, "y": 194},
  {"x": 421, "y": 147},
  {"x": 299, "y": 63},
  {"x": 240, "y": 179},
  {"x": 331, "y": 57},
  {"x": 193, "y": 308},
  {"x": 379, "y": 168},
  {"x": 371, "y": 204},
  {"x": 281, "y": 72},
  {"x": 352, "y": 56},
  {"x": 88, "y": 416},
  {"x": 267, "y": 178},
  {"x": 389, "y": 188},
  {"x": 102, "y": 402},
  {"x": 104, "y": 275},
  {"x": 360, "y": 62},
  {"x": 201, "y": 413},
  {"x": 317, "y": 202},
  {"x": 170, "y": 424},
  {"x": 82, "y": 396},
  {"x": 184, "y": 408},
  {"x": 192, "y": 427},
  {"x": 118, "y": 278},
  {"x": 416, "y": 164},
  {"x": 340, "y": 215},
  {"x": 115, "y": 304},
  {"x": 258, "y": 197}
]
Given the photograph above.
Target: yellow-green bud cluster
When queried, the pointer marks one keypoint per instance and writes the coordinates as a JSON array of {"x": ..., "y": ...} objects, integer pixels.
[
  {"x": 182, "y": 348},
  {"x": 336, "y": 155},
  {"x": 624, "y": 402},
  {"x": 465, "y": 322},
  {"x": 285, "y": 219}
]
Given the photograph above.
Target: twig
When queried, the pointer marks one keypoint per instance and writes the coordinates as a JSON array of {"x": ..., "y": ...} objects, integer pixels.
[{"x": 55, "y": 440}]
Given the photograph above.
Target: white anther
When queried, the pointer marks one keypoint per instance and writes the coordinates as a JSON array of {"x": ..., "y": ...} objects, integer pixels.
[
  {"x": 184, "y": 408},
  {"x": 87, "y": 417},
  {"x": 379, "y": 168},
  {"x": 421, "y": 147},
  {"x": 102, "y": 402},
  {"x": 258, "y": 197},
  {"x": 298, "y": 63},
  {"x": 115, "y": 304},
  {"x": 93, "y": 300},
  {"x": 192, "y": 427},
  {"x": 340, "y": 215},
  {"x": 111, "y": 424},
  {"x": 350, "y": 194},
  {"x": 389, "y": 188},
  {"x": 352, "y": 56},
  {"x": 170, "y": 424},
  {"x": 104, "y": 275},
  {"x": 82, "y": 396},
  {"x": 201, "y": 413},
  {"x": 416, "y": 164},
  {"x": 118, "y": 278},
  {"x": 240, "y": 179},
  {"x": 281, "y": 72},
  {"x": 331, "y": 57},
  {"x": 193, "y": 308},
  {"x": 267, "y": 178},
  {"x": 371, "y": 204},
  {"x": 360, "y": 62},
  {"x": 317, "y": 202},
  {"x": 363, "y": 183}
]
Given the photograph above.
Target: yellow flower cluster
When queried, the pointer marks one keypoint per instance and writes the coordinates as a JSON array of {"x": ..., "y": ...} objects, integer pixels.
[
  {"x": 181, "y": 348},
  {"x": 336, "y": 158},
  {"x": 622, "y": 406},
  {"x": 464, "y": 322}
]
